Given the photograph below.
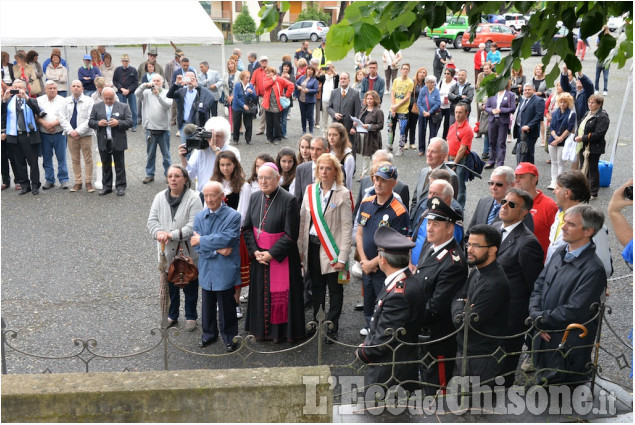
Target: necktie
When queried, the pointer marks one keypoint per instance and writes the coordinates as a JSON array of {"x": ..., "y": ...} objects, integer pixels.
[
  {"x": 74, "y": 116},
  {"x": 493, "y": 213},
  {"x": 20, "y": 115},
  {"x": 108, "y": 129},
  {"x": 343, "y": 93},
  {"x": 108, "y": 111},
  {"x": 522, "y": 106}
]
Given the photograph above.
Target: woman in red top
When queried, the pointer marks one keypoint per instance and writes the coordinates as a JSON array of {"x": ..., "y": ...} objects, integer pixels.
[{"x": 275, "y": 88}]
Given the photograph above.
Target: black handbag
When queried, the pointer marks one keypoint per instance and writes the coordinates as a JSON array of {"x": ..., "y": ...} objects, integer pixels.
[{"x": 251, "y": 104}]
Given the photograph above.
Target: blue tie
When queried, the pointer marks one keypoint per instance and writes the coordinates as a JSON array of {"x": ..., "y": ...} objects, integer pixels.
[
  {"x": 493, "y": 212},
  {"x": 108, "y": 112}
]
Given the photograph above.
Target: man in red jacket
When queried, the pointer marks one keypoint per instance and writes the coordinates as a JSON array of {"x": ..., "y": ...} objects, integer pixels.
[{"x": 258, "y": 81}]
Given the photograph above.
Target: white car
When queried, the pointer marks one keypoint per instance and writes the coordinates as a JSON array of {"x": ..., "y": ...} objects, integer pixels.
[
  {"x": 616, "y": 23},
  {"x": 515, "y": 20},
  {"x": 304, "y": 30}
]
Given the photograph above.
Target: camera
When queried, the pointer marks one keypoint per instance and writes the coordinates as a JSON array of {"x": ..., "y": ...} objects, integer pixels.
[
  {"x": 187, "y": 80},
  {"x": 14, "y": 91},
  {"x": 628, "y": 192},
  {"x": 196, "y": 137}
]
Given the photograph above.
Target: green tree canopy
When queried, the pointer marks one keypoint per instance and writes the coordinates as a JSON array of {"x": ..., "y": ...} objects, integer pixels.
[
  {"x": 313, "y": 12},
  {"x": 397, "y": 25},
  {"x": 244, "y": 23}
]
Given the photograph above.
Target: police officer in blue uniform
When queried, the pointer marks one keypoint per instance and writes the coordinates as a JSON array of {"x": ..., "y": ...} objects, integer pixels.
[{"x": 400, "y": 304}]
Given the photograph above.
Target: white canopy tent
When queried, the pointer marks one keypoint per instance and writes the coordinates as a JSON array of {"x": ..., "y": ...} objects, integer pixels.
[{"x": 91, "y": 23}]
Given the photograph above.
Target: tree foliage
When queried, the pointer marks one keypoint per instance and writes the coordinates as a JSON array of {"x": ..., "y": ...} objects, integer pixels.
[
  {"x": 397, "y": 25},
  {"x": 244, "y": 23},
  {"x": 314, "y": 12}
]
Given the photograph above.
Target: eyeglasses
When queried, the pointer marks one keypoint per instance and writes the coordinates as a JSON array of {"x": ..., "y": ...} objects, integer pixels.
[
  {"x": 475, "y": 245},
  {"x": 512, "y": 204},
  {"x": 497, "y": 184}
]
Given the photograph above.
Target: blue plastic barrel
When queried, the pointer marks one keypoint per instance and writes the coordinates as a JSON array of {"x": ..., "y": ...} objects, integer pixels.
[{"x": 606, "y": 172}]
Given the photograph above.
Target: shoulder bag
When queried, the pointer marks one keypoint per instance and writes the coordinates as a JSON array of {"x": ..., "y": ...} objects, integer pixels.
[
  {"x": 182, "y": 270},
  {"x": 285, "y": 102}
]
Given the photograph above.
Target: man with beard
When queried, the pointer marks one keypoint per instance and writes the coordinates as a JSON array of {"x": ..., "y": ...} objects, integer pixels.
[{"x": 487, "y": 293}]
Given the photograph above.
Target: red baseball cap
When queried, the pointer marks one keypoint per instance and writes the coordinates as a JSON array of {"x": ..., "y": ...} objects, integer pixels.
[{"x": 526, "y": 168}]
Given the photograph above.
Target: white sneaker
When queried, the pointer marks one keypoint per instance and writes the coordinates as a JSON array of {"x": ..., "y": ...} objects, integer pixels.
[
  {"x": 239, "y": 312},
  {"x": 178, "y": 133},
  {"x": 399, "y": 152},
  {"x": 363, "y": 331},
  {"x": 552, "y": 186},
  {"x": 244, "y": 298},
  {"x": 316, "y": 126},
  {"x": 605, "y": 93},
  {"x": 405, "y": 147}
]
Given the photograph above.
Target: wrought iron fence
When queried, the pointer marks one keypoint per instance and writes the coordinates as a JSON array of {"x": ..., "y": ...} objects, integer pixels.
[{"x": 86, "y": 351}]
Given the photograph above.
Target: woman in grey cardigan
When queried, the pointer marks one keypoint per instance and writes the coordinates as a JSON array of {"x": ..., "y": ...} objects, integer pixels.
[{"x": 172, "y": 217}]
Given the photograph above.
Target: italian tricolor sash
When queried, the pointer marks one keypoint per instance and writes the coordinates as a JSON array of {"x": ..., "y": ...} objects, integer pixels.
[{"x": 322, "y": 229}]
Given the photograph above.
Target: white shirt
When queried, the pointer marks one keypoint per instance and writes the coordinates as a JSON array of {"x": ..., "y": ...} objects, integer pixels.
[
  {"x": 509, "y": 229},
  {"x": 499, "y": 100},
  {"x": 243, "y": 200},
  {"x": 436, "y": 248},
  {"x": 200, "y": 166},
  {"x": 52, "y": 109},
  {"x": 392, "y": 276}
]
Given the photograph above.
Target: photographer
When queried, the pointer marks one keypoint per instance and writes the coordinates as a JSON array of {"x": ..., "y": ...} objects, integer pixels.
[
  {"x": 193, "y": 103},
  {"x": 200, "y": 165},
  {"x": 23, "y": 137},
  {"x": 156, "y": 121},
  {"x": 622, "y": 198}
]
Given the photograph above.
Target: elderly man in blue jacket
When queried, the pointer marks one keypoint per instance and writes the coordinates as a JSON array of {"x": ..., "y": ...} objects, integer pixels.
[{"x": 215, "y": 239}]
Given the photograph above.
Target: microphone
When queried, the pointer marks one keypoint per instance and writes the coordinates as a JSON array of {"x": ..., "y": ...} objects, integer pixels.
[{"x": 190, "y": 129}]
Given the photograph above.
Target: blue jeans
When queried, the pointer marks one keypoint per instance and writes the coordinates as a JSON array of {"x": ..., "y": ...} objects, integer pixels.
[
  {"x": 163, "y": 140},
  {"x": 460, "y": 174},
  {"x": 403, "y": 129},
  {"x": 605, "y": 73},
  {"x": 283, "y": 121},
  {"x": 486, "y": 143},
  {"x": 132, "y": 101},
  {"x": 306, "y": 114},
  {"x": 54, "y": 143}
]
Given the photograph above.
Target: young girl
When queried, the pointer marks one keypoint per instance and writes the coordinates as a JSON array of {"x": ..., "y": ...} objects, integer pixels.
[
  {"x": 302, "y": 66},
  {"x": 373, "y": 119},
  {"x": 287, "y": 163},
  {"x": 341, "y": 148},
  {"x": 304, "y": 149},
  {"x": 229, "y": 173},
  {"x": 253, "y": 180}
]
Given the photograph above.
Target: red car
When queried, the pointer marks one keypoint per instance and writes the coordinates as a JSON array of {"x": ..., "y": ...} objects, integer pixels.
[{"x": 488, "y": 34}]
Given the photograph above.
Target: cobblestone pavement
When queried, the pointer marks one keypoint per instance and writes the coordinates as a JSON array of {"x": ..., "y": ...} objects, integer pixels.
[{"x": 75, "y": 265}]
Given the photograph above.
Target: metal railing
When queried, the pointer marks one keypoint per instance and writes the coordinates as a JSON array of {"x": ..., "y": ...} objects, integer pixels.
[{"x": 248, "y": 351}]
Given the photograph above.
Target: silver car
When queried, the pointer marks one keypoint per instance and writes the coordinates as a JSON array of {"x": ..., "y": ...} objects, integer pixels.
[{"x": 304, "y": 30}]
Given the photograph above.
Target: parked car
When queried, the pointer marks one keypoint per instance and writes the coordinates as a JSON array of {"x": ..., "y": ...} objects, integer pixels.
[
  {"x": 304, "y": 30},
  {"x": 495, "y": 19},
  {"x": 616, "y": 23},
  {"x": 539, "y": 49},
  {"x": 452, "y": 31},
  {"x": 500, "y": 34},
  {"x": 515, "y": 20}
]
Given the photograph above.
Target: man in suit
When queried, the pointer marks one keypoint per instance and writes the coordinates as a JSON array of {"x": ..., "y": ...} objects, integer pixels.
[
  {"x": 436, "y": 156},
  {"x": 344, "y": 104},
  {"x": 520, "y": 255},
  {"x": 193, "y": 103},
  {"x": 212, "y": 80},
  {"x": 487, "y": 209},
  {"x": 442, "y": 270},
  {"x": 531, "y": 111},
  {"x": 253, "y": 64},
  {"x": 400, "y": 304},
  {"x": 111, "y": 119},
  {"x": 487, "y": 293},
  {"x": 499, "y": 108}
]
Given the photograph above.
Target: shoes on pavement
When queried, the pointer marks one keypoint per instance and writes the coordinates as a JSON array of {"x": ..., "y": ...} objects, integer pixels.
[
  {"x": 178, "y": 133},
  {"x": 244, "y": 298},
  {"x": 239, "y": 312},
  {"x": 190, "y": 326},
  {"x": 364, "y": 331},
  {"x": 331, "y": 337},
  {"x": 148, "y": 179},
  {"x": 105, "y": 192},
  {"x": 5, "y": 186},
  {"x": 488, "y": 166},
  {"x": 399, "y": 152},
  {"x": 406, "y": 147},
  {"x": 18, "y": 187},
  {"x": 48, "y": 185},
  {"x": 605, "y": 93},
  {"x": 172, "y": 322},
  {"x": 231, "y": 347},
  {"x": 36, "y": 191},
  {"x": 77, "y": 187},
  {"x": 90, "y": 188},
  {"x": 485, "y": 155},
  {"x": 259, "y": 133},
  {"x": 121, "y": 192},
  {"x": 203, "y": 344},
  {"x": 552, "y": 186},
  {"x": 413, "y": 146},
  {"x": 64, "y": 185},
  {"x": 316, "y": 126},
  {"x": 359, "y": 307},
  {"x": 25, "y": 190},
  {"x": 133, "y": 129}
]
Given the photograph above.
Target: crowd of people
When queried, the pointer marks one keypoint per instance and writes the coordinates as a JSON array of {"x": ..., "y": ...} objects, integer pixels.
[{"x": 288, "y": 231}]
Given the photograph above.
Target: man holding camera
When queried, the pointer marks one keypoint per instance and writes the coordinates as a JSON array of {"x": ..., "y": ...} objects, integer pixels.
[
  {"x": 156, "y": 121},
  {"x": 200, "y": 165},
  {"x": 193, "y": 103},
  {"x": 23, "y": 137}
]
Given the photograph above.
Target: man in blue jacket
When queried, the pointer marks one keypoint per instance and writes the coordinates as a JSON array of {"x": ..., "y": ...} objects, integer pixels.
[{"x": 216, "y": 237}]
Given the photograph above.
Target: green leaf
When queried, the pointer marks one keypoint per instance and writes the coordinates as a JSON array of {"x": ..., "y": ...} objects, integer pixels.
[
  {"x": 366, "y": 37},
  {"x": 284, "y": 6},
  {"x": 553, "y": 74},
  {"x": 405, "y": 19},
  {"x": 340, "y": 40},
  {"x": 592, "y": 21}
]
